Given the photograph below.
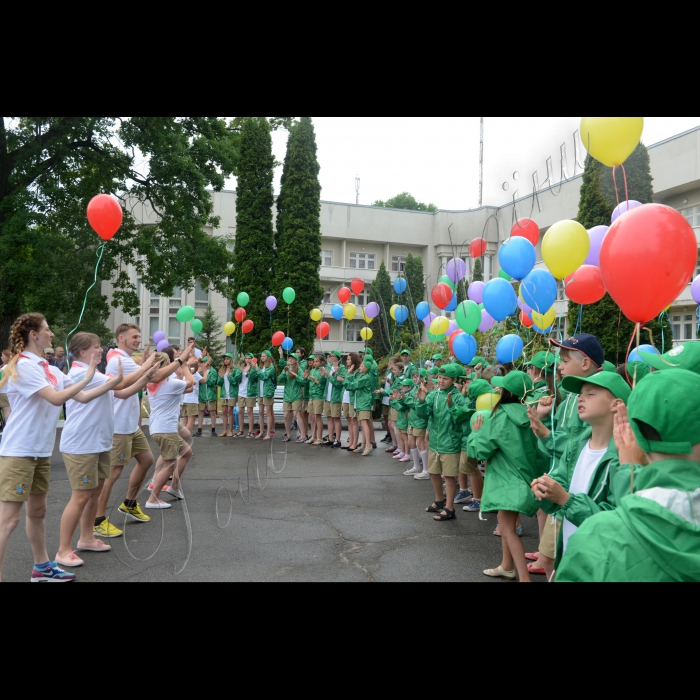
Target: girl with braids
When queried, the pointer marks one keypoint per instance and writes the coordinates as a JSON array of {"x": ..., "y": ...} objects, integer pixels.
[{"x": 37, "y": 393}]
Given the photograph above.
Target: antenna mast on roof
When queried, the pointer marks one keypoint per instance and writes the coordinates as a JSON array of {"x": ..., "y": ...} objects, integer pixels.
[
  {"x": 357, "y": 190},
  {"x": 481, "y": 166}
]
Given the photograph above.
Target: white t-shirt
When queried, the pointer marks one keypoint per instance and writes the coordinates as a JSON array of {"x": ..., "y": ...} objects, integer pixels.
[
  {"x": 126, "y": 411},
  {"x": 194, "y": 396},
  {"x": 89, "y": 428},
  {"x": 581, "y": 482},
  {"x": 4, "y": 389},
  {"x": 243, "y": 389},
  {"x": 387, "y": 387},
  {"x": 228, "y": 389},
  {"x": 165, "y": 405},
  {"x": 331, "y": 371},
  {"x": 31, "y": 428},
  {"x": 198, "y": 354}
]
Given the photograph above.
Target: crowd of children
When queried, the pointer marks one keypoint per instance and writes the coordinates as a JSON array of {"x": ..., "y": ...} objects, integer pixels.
[{"x": 596, "y": 452}]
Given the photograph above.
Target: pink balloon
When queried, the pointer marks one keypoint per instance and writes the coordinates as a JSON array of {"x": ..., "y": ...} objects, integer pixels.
[
  {"x": 487, "y": 322},
  {"x": 476, "y": 292},
  {"x": 597, "y": 236},
  {"x": 428, "y": 320}
]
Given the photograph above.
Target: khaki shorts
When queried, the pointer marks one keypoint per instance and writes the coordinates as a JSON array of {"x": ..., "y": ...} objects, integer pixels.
[
  {"x": 292, "y": 407},
  {"x": 169, "y": 445},
  {"x": 393, "y": 415},
  {"x": 336, "y": 410},
  {"x": 327, "y": 409},
  {"x": 249, "y": 403},
  {"x": 468, "y": 466},
  {"x": 211, "y": 406},
  {"x": 189, "y": 410},
  {"x": 85, "y": 471},
  {"x": 316, "y": 407},
  {"x": 349, "y": 411},
  {"x": 403, "y": 432},
  {"x": 304, "y": 406},
  {"x": 444, "y": 465},
  {"x": 415, "y": 432},
  {"x": 550, "y": 536},
  {"x": 21, "y": 477},
  {"x": 230, "y": 402},
  {"x": 126, "y": 447},
  {"x": 385, "y": 410},
  {"x": 364, "y": 415},
  {"x": 4, "y": 401},
  {"x": 267, "y": 402}
]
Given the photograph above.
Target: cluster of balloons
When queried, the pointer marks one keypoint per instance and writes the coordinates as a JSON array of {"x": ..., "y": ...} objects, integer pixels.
[{"x": 346, "y": 310}]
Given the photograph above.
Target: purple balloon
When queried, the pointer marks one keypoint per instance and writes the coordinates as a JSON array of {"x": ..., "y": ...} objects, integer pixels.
[
  {"x": 158, "y": 337},
  {"x": 696, "y": 290},
  {"x": 163, "y": 345},
  {"x": 624, "y": 208},
  {"x": 271, "y": 303},
  {"x": 597, "y": 235},
  {"x": 476, "y": 292},
  {"x": 373, "y": 310},
  {"x": 456, "y": 270},
  {"x": 453, "y": 327},
  {"x": 428, "y": 320},
  {"x": 487, "y": 322},
  {"x": 524, "y": 307}
]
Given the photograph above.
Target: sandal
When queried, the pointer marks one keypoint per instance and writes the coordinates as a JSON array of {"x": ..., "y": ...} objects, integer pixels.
[
  {"x": 535, "y": 556},
  {"x": 497, "y": 532},
  {"x": 250, "y": 436},
  {"x": 239, "y": 435},
  {"x": 445, "y": 516},
  {"x": 268, "y": 439},
  {"x": 536, "y": 572},
  {"x": 367, "y": 453},
  {"x": 437, "y": 507}
]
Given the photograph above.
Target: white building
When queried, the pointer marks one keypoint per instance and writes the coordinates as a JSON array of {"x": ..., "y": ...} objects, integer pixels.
[{"x": 356, "y": 239}]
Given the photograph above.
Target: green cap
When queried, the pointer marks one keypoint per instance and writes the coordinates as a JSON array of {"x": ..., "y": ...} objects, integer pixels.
[
  {"x": 367, "y": 351},
  {"x": 438, "y": 358},
  {"x": 518, "y": 383},
  {"x": 407, "y": 382},
  {"x": 423, "y": 373},
  {"x": 228, "y": 354},
  {"x": 479, "y": 388},
  {"x": 477, "y": 361},
  {"x": 295, "y": 356},
  {"x": 471, "y": 377},
  {"x": 267, "y": 353},
  {"x": 685, "y": 357},
  {"x": 609, "y": 367},
  {"x": 543, "y": 360},
  {"x": 452, "y": 371},
  {"x": 312, "y": 357},
  {"x": 203, "y": 360},
  {"x": 369, "y": 364},
  {"x": 667, "y": 402},
  {"x": 250, "y": 355},
  {"x": 337, "y": 353},
  {"x": 638, "y": 370},
  {"x": 614, "y": 383},
  {"x": 405, "y": 352}
]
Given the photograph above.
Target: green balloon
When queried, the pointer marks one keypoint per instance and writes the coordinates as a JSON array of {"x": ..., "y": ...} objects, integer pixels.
[
  {"x": 185, "y": 314},
  {"x": 446, "y": 280},
  {"x": 289, "y": 296},
  {"x": 197, "y": 326},
  {"x": 482, "y": 307},
  {"x": 436, "y": 338},
  {"x": 243, "y": 300},
  {"x": 468, "y": 317},
  {"x": 485, "y": 414},
  {"x": 505, "y": 276}
]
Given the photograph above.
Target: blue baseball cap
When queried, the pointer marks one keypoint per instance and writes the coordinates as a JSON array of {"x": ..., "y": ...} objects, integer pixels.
[{"x": 587, "y": 345}]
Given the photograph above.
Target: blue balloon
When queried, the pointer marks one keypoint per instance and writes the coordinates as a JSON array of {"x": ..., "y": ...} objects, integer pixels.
[
  {"x": 423, "y": 310},
  {"x": 453, "y": 304},
  {"x": 465, "y": 347},
  {"x": 500, "y": 300},
  {"x": 400, "y": 286},
  {"x": 509, "y": 349},
  {"x": 539, "y": 290},
  {"x": 635, "y": 357},
  {"x": 517, "y": 257},
  {"x": 287, "y": 344},
  {"x": 337, "y": 312},
  {"x": 401, "y": 314}
]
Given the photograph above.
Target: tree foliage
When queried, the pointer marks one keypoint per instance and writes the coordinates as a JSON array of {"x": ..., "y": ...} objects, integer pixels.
[
  {"x": 212, "y": 336},
  {"x": 381, "y": 291},
  {"x": 298, "y": 238},
  {"x": 478, "y": 274},
  {"x": 410, "y": 333},
  {"x": 405, "y": 200}
]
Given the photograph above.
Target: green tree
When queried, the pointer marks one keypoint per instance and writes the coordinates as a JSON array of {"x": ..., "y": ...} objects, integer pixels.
[
  {"x": 410, "y": 333},
  {"x": 478, "y": 275},
  {"x": 381, "y": 291},
  {"x": 212, "y": 336},
  {"x": 598, "y": 200},
  {"x": 161, "y": 168},
  {"x": 298, "y": 237},
  {"x": 405, "y": 201},
  {"x": 254, "y": 249}
]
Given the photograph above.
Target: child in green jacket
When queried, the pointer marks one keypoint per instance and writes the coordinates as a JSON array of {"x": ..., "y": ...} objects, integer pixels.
[
  {"x": 267, "y": 379},
  {"x": 317, "y": 396},
  {"x": 653, "y": 535},
  {"x": 293, "y": 391},
  {"x": 508, "y": 444},
  {"x": 417, "y": 429},
  {"x": 363, "y": 383},
  {"x": 208, "y": 395}
]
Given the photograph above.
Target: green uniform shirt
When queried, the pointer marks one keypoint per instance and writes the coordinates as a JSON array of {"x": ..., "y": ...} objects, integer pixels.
[
  {"x": 338, "y": 387},
  {"x": 445, "y": 433},
  {"x": 414, "y": 420},
  {"x": 208, "y": 392},
  {"x": 292, "y": 387},
  {"x": 253, "y": 385},
  {"x": 363, "y": 384},
  {"x": 231, "y": 384},
  {"x": 317, "y": 391},
  {"x": 267, "y": 376},
  {"x": 463, "y": 416},
  {"x": 402, "y": 408}
]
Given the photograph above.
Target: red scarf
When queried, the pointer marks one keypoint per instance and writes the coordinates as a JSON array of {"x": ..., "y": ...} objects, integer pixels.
[{"x": 49, "y": 375}]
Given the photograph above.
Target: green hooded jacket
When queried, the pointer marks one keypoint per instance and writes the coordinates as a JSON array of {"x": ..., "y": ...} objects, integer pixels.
[
  {"x": 414, "y": 420},
  {"x": 253, "y": 391},
  {"x": 292, "y": 387},
  {"x": 652, "y": 537},
  {"x": 268, "y": 376},
  {"x": 338, "y": 387},
  {"x": 316, "y": 391},
  {"x": 402, "y": 408},
  {"x": 463, "y": 416},
  {"x": 363, "y": 385},
  {"x": 445, "y": 433},
  {"x": 508, "y": 444},
  {"x": 231, "y": 384},
  {"x": 208, "y": 392}
]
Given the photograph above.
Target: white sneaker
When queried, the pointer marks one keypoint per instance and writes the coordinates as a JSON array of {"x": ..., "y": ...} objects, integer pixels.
[
  {"x": 175, "y": 494},
  {"x": 413, "y": 472},
  {"x": 157, "y": 506},
  {"x": 422, "y": 477}
]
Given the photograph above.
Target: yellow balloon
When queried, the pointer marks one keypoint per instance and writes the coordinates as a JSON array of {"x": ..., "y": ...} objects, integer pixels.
[
  {"x": 544, "y": 321},
  {"x": 316, "y": 315},
  {"x": 366, "y": 334},
  {"x": 393, "y": 311},
  {"x": 611, "y": 140},
  {"x": 350, "y": 312},
  {"x": 440, "y": 326},
  {"x": 565, "y": 248},
  {"x": 366, "y": 318},
  {"x": 487, "y": 402},
  {"x": 230, "y": 328}
]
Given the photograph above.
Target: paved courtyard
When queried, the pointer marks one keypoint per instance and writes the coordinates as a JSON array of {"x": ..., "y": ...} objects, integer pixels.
[{"x": 328, "y": 516}]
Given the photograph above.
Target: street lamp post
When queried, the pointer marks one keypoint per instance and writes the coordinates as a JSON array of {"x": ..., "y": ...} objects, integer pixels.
[{"x": 481, "y": 166}]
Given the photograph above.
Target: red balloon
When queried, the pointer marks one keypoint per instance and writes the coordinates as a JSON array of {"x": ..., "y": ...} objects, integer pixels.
[
  {"x": 442, "y": 296},
  {"x": 526, "y": 320},
  {"x": 323, "y": 330},
  {"x": 646, "y": 260},
  {"x": 527, "y": 228},
  {"x": 478, "y": 248},
  {"x": 248, "y": 327},
  {"x": 452, "y": 339},
  {"x": 585, "y": 286},
  {"x": 278, "y": 339},
  {"x": 344, "y": 295},
  {"x": 241, "y": 315},
  {"x": 105, "y": 216},
  {"x": 358, "y": 286}
]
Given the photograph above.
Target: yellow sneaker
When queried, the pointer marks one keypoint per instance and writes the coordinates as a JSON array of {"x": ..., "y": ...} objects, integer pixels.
[
  {"x": 134, "y": 513},
  {"x": 107, "y": 530}
]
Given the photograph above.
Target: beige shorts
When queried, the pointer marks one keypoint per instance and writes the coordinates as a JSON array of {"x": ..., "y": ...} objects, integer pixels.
[
  {"x": 292, "y": 407},
  {"x": 316, "y": 407},
  {"x": 327, "y": 409},
  {"x": 349, "y": 411},
  {"x": 230, "y": 402},
  {"x": 304, "y": 406},
  {"x": 393, "y": 415},
  {"x": 468, "y": 466},
  {"x": 249, "y": 403},
  {"x": 550, "y": 536},
  {"x": 364, "y": 415},
  {"x": 336, "y": 411},
  {"x": 385, "y": 410},
  {"x": 21, "y": 477},
  {"x": 267, "y": 402},
  {"x": 403, "y": 432},
  {"x": 444, "y": 465},
  {"x": 189, "y": 410},
  {"x": 211, "y": 406},
  {"x": 415, "y": 432},
  {"x": 4, "y": 401},
  {"x": 85, "y": 471},
  {"x": 126, "y": 447},
  {"x": 169, "y": 445}
]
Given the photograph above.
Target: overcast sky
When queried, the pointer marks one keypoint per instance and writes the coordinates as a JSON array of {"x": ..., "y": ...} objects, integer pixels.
[{"x": 437, "y": 158}]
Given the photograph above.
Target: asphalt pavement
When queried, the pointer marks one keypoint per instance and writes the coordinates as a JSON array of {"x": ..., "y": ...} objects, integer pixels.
[{"x": 259, "y": 512}]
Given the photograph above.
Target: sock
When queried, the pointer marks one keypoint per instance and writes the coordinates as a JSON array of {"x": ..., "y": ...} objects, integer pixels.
[
  {"x": 130, "y": 504},
  {"x": 424, "y": 457},
  {"x": 48, "y": 565},
  {"x": 461, "y": 490},
  {"x": 99, "y": 521},
  {"x": 416, "y": 459}
]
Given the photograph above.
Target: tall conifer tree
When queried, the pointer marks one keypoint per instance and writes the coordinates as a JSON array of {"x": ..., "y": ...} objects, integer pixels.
[{"x": 381, "y": 292}]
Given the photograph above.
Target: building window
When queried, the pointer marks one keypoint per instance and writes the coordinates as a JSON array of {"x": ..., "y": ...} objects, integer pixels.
[
  {"x": 363, "y": 261},
  {"x": 354, "y": 333},
  {"x": 398, "y": 263},
  {"x": 676, "y": 327},
  {"x": 361, "y": 300},
  {"x": 154, "y": 302},
  {"x": 689, "y": 328},
  {"x": 153, "y": 326},
  {"x": 174, "y": 327},
  {"x": 326, "y": 296},
  {"x": 201, "y": 297},
  {"x": 692, "y": 216},
  {"x": 175, "y": 301},
  {"x": 327, "y": 258}
]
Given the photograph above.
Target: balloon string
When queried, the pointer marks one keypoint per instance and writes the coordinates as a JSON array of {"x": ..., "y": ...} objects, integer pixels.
[
  {"x": 635, "y": 332},
  {"x": 617, "y": 194},
  {"x": 579, "y": 323},
  {"x": 627, "y": 191},
  {"x": 99, "y": 252}
]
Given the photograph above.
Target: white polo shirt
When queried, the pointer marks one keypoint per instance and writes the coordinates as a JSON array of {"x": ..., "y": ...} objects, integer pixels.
[
  {"x": 89, "y": 428},
  {"x": 387, "y": 387},
  {"x": 4, "y": 389},
  {"x": 31, "y": 428},
  {"x": 194, "y": 396},
  {"x": 165, "y": 405},
  {"x": 126, "y": 411},
  {"x": 243, "y": 389}
]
